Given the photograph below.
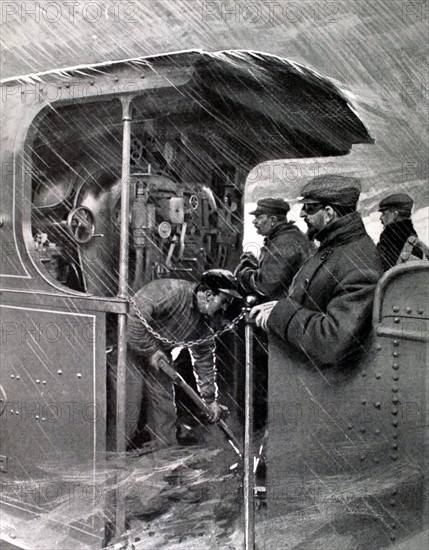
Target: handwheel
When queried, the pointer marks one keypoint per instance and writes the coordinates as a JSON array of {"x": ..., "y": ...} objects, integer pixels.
[{"x": 81, "y": 224}]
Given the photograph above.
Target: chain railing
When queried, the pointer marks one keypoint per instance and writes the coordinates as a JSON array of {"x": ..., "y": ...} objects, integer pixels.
[{"x": 189, "y": 344}]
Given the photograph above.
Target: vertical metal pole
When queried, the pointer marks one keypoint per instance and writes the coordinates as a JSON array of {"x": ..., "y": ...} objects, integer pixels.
[
  {"x": 249, "y": 509},
  {"x": 123, "y": 293}
]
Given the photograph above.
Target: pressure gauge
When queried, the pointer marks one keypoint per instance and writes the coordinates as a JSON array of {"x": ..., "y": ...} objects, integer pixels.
[
  {"x": 164, "y": 230},
  {"x": 193, "y": 202}
]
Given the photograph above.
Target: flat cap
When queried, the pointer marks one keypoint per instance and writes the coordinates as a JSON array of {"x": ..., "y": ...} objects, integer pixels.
[
  {"x": 397, "y": 201},
  {"x": 272, "y": 207},
  {"x": 221, "y": 280},
  {"x": 333, "y": 189}
]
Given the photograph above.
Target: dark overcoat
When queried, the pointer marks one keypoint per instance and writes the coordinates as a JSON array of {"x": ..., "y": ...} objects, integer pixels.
[
  {"x": 285, "y": 250},
  {"x": 392, "y": 241},
  {"x": 326, "y": 319}
]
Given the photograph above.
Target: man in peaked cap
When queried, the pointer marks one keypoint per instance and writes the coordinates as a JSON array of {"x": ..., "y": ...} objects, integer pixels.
[
  {"x": 285, "y": 250},
  {"x": 326, "y": 318},
  {"x": 341, "y": 193},
  {"x": 180, "y": 311},
  {"x": 398, "y": 227}
]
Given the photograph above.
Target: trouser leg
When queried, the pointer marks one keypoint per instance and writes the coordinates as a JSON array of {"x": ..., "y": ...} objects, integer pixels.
[{"x": 161, "y": 407}]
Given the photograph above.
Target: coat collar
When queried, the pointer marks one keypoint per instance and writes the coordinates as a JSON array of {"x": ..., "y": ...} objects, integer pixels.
[
  {"x": 404, "y": 228},
  {"x": 344, "y": 230},
  {"x": 280, "y": 228}
]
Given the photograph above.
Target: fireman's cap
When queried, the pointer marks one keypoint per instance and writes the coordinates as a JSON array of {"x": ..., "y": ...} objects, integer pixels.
[
  {"x": 271, "y": 206},
  {"x": 398, "y": 201},
  {"x": 333, "y": 189},
  {"x": 221, "y": 280}
]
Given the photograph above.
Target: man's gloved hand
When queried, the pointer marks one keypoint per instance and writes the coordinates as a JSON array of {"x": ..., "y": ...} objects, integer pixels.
[
  {"x": 215, "y": 411},
  {"x": 247, "y": 259},
  {"x": 154, "y": 359},
  {"x": 261, "y": 313}
]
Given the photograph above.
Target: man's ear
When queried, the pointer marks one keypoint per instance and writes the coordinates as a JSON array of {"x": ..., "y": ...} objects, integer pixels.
[
  {"x": 395, "y": 215},
  {"x": 208, "y": 294},
  {"x": 330, "y": 213}
]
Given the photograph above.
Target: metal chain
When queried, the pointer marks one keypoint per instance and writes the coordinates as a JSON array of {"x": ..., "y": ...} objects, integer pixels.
[{"x": 191, "y": 343}]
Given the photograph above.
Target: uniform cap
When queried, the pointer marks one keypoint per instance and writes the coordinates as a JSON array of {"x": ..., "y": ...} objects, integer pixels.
[
  {"x": 272, "y": 207},
  {"x": 221, "y": 280},
  {"x": 397, "y": 201},
  {"x": 333, "y": 189}
]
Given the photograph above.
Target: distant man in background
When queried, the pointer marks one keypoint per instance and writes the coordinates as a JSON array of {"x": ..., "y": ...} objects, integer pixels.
[
  {"x": 398, "y": 227},
  {"x": 285, "y": 250}
]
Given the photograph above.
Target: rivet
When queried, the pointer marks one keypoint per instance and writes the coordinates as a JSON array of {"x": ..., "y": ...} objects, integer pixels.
[
  {"x": 395, "y": 400},
  {"x": 376, "y": 460},
  {"x": 67, "y": 86},
  {"x": 37, "y": 417},
  {"x": 363, "y": 373},
  {"x": 142, "y": 76},
  {"x": 59, "y": 87},
  {"x": 59, "y": 371},
  {"x": 395, "y": 493},
  {"x": 395, "y": 389},
  {"x": 395, "y": 436},
  {"x": 37, "y": 381},
  {"x": 43, "y": 418},
  {"x": 395, "y": 423},
  {"x": 378, "y": 376},
  {"x": 392, "y": 502},
  {"x": 44, "y": 382},
  {"x": 395, "y": 343},
  {"x": 18, "y": 377},
  {"x": 396, "y": 320},
  {"x": 394, "y": 411},
  {"x": 395, "y": 366},
  {"x": 393, "y": 525},
  {"x": 363, "y": 401},
  {"x": 116, "y": 80},
  {"x": 11, "y": 410},
  {"x": 350, "y": 426},
  {"x": 92, "y": 83},
  {"x": 409, "y": 310},
  {"x": 395, "y": 309},
  {"x": 363, "y": 429},
  {"x": 22, "y": 92},
  {"x": 378, "y": 347},
  {"x": 377, "y": 431},
  {"x": 377, "y": 405},
  {"x": 361, "y": 458},
  {"x": 395, "y": 446},
  {"x": 79, "y": 375},
  {"x": 16, "y": 412},
  {"x": 392, "y": 537},
  {"x": 395, "y": 354},
  {"x": 394, "y": 457},
  {"x": 395, "y": 377},
  {"x": 420, "y": 312}
]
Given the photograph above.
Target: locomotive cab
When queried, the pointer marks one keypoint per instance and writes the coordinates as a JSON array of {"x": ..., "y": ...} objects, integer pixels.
[{"x": 117, "y": 174}]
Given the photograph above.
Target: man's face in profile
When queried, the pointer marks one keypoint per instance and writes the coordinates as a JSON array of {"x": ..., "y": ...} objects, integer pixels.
[
  {"x": 314, "y": 216},
  {"x": 263, "y": 224}
]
